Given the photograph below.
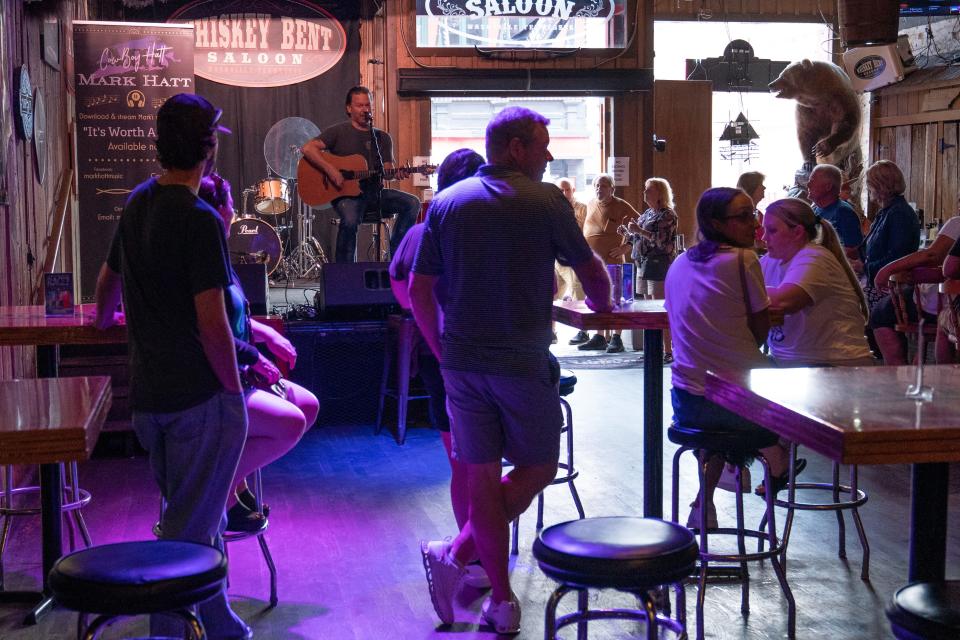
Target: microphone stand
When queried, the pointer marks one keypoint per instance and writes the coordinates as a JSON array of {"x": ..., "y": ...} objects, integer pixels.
[{"x": 377, "y": 189}]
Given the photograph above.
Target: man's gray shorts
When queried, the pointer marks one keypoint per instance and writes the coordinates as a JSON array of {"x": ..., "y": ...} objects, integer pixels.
[{"x": 494, "y": 417}]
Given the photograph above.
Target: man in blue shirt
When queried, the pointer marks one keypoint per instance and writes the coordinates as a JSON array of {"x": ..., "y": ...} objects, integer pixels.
[
  {"x": 489, "y": 244},
  {"x": 824, "y": 190}
]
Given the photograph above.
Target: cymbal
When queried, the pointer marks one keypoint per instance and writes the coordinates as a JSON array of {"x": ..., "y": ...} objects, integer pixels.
[{"x": 281, "y": 147}]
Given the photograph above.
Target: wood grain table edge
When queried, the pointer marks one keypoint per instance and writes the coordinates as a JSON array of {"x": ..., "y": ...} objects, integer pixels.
[{"x": 896, "y": 447}]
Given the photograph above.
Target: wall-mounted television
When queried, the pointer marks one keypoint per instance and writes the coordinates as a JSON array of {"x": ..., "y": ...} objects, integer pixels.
[{"x": 912, "y": 8}]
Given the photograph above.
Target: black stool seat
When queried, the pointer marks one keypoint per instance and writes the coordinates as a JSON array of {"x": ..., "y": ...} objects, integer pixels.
[
  {"x": 131, "y": 578},
  {"x": 568, "y": 380},
  {"x": 927, "y": 610},
  {"x": 734, "y": 445},
  {"x": 616, "y": 552}
]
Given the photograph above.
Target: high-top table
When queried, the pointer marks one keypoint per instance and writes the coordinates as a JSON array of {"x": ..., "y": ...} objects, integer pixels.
[
  {"x": 48, "y": 421},
  {"x": 27, "y": 325},
  {"x": 862, "y": 416},
  {"x": 651, "y": 316}
]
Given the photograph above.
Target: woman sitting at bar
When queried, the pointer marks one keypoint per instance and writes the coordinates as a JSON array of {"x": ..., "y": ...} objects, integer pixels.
[
  {"x": 278, "y": 411},
  {"x": 811, "y": 282},
  {"x": 717, "y": 304},
  {"x": 895, "y": 232}
]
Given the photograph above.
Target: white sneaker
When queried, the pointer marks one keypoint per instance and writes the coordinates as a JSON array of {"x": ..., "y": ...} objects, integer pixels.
[
  {"x": 728, "y": 479},
  {"x": 503, "y": 617},
  {"x": 693, "y": 520},
  {"x": 476, "y": 577},
  {"x": 444, "y": 576}
]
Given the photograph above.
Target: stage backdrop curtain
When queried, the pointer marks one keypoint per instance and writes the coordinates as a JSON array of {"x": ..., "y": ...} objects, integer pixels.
[{"x": 250, "y": 112}]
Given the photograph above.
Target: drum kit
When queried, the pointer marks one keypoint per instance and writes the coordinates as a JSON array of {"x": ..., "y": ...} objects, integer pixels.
[{"x": 267, "y": 235}]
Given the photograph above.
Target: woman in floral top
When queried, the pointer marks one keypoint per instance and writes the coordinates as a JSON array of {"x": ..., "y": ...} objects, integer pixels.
[{"x": 652, "y": 236}]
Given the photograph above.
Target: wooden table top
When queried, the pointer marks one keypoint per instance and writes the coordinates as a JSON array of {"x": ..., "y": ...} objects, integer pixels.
[
  {"x": 29, "y": 326},
  {"x": 854, "y": 415},
  {"x": 639, "y": 314},
  {"x": 47, "y": 420}
]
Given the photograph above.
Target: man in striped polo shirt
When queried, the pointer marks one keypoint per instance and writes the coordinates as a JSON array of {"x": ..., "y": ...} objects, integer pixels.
[{"x": 490, "y": 244}]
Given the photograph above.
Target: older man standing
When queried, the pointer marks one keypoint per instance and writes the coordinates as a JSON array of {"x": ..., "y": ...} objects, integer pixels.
[
  {"x": 567, "y": 282},
  {"x": 490, "y": 244},
  {"x": 824, "y": 190}
]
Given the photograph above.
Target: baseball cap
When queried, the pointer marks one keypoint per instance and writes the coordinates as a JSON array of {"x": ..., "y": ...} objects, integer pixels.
[{"x": 189, "y": 115}]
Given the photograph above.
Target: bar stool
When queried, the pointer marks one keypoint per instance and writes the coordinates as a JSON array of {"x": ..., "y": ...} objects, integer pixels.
[
  {"x": 255, "y": 480},
  {"x": 379, "y": 229},
  {"x": 135, "y": 578},
  {"x": 566, "y": 471},
  {"x": 633, "y": 555},
  {"x": 735, "y": 447},
  {"x": 926, "y": 611},
  {"x": 857, "y": 498},
  {"x": 402, "y": 338},
  {"x": 74, "y": 500}
]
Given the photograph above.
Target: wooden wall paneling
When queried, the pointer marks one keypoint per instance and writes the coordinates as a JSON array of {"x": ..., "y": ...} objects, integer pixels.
[
  {"x": 884, "y": 149},
  {"x": 687, "y": 161},
  {"x": 26, "y": 220},
  {"x": 902, "y": 145},
  {"x": 931, "y": 201},
  {"x": 949, "y": 170},
  {"x": 747, "y": 10},
  {"x": 626, "y": 136},
  {"x": 915, "y": 170}
]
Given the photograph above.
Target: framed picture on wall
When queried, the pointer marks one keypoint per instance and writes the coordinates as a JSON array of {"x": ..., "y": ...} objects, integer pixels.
[{"x": 50, "y": 41}]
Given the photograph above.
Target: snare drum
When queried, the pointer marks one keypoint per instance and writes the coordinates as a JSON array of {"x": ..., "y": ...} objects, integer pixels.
[
  {"x": 271, "y": 197},
  {"x": 252, "y": 241}
]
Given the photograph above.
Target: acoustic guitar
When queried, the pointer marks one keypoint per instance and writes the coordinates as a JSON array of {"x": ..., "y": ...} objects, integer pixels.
[{"x": 316, "y": 189}]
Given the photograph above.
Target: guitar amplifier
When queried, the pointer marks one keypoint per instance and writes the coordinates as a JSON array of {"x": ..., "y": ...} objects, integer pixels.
[{"x": 353, "y": 290}]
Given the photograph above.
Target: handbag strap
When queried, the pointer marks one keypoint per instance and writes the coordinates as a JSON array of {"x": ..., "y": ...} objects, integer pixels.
[{"x": 743, "y": 281}]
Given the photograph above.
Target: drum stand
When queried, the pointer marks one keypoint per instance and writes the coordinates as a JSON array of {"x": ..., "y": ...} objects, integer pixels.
[{"x": 308, "y": 257}]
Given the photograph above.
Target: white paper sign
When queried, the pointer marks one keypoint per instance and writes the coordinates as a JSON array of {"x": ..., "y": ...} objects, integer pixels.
[
  {"x": 619, "y": 166},
  {"x": 420, "y": 180}
]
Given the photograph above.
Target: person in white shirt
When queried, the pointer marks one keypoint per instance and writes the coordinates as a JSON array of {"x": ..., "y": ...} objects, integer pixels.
[
  {"x": 717, "y": 304},
  {"x": 809, "y": 279}
]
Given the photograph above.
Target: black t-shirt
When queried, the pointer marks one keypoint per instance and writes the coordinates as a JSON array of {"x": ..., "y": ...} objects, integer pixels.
[
  {"x": 168, "y": 247},
  {"x": 343, "y": 139}
]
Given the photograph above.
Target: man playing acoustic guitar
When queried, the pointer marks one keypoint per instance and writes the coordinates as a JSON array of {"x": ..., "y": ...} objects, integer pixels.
[{"x": 358, "y": 136}]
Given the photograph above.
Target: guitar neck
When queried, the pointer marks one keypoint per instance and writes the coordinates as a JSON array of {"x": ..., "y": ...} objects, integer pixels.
[{"x": 388, "y": 174}]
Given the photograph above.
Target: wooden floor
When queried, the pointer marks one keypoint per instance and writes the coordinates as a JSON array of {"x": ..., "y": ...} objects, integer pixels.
[{"x": 349, "y": 509}]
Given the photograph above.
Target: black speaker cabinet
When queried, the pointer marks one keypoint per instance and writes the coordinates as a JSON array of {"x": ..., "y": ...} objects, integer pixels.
[
  {"x": 253, "y": 279},
  {"x": 341, "y": 363},
  {"x": 354, "y": 290}
]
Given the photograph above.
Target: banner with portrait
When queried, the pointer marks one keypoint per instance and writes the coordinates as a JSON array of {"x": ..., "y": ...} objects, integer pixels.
[{"x": 123, "y": 73}]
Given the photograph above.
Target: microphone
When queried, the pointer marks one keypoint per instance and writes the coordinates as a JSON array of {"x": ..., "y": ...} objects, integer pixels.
[{"x": 368, "y": 116}]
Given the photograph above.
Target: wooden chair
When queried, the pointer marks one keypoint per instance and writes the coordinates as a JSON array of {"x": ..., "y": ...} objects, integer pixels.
[{"x": 904, "y": 285}]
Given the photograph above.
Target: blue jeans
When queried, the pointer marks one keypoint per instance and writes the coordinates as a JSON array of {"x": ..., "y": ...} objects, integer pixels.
[
  {"x": 351, "y": 210},
  {"x": 193, "y": 455}
]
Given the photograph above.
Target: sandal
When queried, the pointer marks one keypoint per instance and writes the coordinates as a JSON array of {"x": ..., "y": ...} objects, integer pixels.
[
  {"x": 249, "y": 501},
  {"x": 780, "y": 482}
]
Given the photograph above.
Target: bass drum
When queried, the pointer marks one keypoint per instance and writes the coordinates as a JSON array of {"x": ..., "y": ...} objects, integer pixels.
[{"x": 252, "y": 241}]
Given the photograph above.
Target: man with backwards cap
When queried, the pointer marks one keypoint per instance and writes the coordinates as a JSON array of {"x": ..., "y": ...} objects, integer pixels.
[{"x": 170, "y": 255}]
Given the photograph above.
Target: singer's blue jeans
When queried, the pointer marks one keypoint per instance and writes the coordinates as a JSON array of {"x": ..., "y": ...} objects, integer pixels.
[{"x": 351, "y": 210}]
